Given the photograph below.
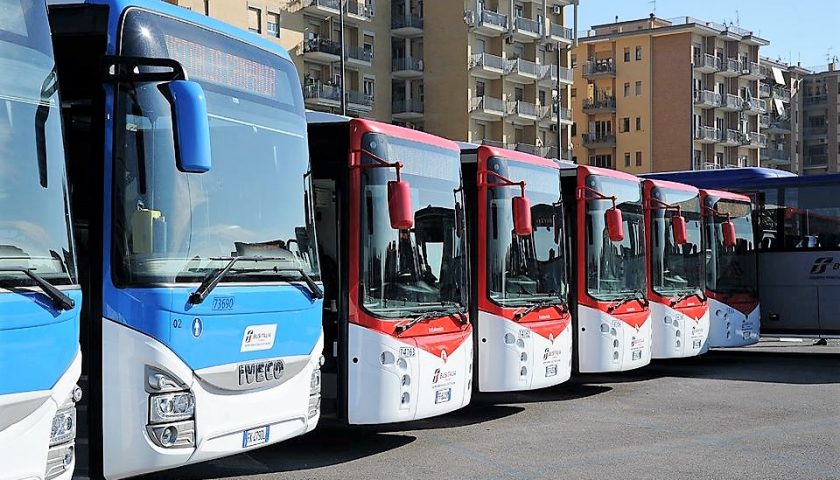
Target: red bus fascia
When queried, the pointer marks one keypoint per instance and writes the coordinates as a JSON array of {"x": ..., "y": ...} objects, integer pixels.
[
  {"x": 435, "y": 335},
  {"x": 631, "y": 313},
  {"x": 743, "y": 302},
  {"x": 548, "y": 322},
  {"x": 692, "y": 307}
]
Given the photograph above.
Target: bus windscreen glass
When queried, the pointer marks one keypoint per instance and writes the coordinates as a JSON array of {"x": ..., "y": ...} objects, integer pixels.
[
  {"x": 676, "y": 269},
  {"x": 731, "y": 270}
]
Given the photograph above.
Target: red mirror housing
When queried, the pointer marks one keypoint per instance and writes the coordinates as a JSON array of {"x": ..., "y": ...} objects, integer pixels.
[
  {"x": 729, "y": 237},
  {"x": 522, "y": 216},
  {"x": 680, "y": 230},
  {"x": 615, "y": 224},
  {"x": 399, "y": 205}
]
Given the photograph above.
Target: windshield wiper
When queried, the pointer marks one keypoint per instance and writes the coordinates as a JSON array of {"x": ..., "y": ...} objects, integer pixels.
[
  {"x": 693, "y": 293},
  {"x": 637, "y": 295},
  {"x": 426, "y": 316},
  {"x": 60, "y": 300},
  {"x": 212, "y": 280},
  {"x": 557, "y": 302}
]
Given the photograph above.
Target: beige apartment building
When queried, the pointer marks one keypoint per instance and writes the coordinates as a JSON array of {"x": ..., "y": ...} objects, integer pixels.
[
  {"x": 492, "y": 71},
  {"x": 658, "y": 95},
  {"x": 781, "y": 88},
  {"x": 820, "y": 96}
]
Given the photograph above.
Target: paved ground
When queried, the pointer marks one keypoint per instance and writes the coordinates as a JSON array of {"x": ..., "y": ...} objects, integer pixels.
[{"x": 769, "y": 411}]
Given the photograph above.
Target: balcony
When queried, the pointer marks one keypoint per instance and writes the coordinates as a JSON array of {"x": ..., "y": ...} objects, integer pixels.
[
  {"x": 407, "y": 109},
  {"x": 320, "y": 95},
  {"x": 598, "y": 140},
  {"x": 322, "y": 9},
  {"x": 599, "y": 68},
  {"x": 592, "y": 106},
  {"x": 774, "y": 156},
  {"x": 755, "y": 106},
  {"x": 359, "y": 11},
  {"x": 707, "y": 135},
  {"x": 359, "y": 55},
  {"x": 764, "y": 90},
  {"x": 815, "y": 131},
  {"x": 485, "y": 65},
  {"x": 537, "y": 150},
  {"x": 549, "y": 116},
  {"x": 322, "y": 50},
  {"x": 559, "y": 33},
  {"x": 406, "y": 68},
  {"x": 816, "y": 160},
  {"x": 554, "y": 75},
  {"x": 706, "y": 63},
  {"x": 407, "y": 26},
  {"x": 773, "y": 124},
  {"x": 732, "y": 138},
  {"x": 526, "y": 30},
  {"x": 487, "y": 108},
  {"x": 523, "y": 71},
  {"x": 731, "y": 67},
  {"x": 522, "y": 113},
  {"x": 757, "y": 140},
  {"x": 488, "y": 23},
  {"x": 751, "y": 71},
  {"x": 731, "y": 103},
  {"x": 781, "y": 93},
  {"x": 814, "y": 100},
  {"x": 706, "y": 99}
]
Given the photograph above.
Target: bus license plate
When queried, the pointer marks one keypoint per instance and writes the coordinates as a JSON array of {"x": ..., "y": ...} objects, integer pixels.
[
  {"x": 255, "y": 436},
  {"x": 443, "y": 395},
  {"x": 637, "y": 355},
  {"x": 696, "y": 344},
  {"x": 550, "y": 370}
]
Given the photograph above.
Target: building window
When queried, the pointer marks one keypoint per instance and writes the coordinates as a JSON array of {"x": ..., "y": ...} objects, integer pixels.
[
  {"x": 638, "y": 88},
  {"x": 541, "y": 97},
  {"x": 255, "y": 20},
  {"x": 573, "y": 61},
  {"x": 518, "y": 94},
  {"x": 574, "y": 129},
  {"x": 638, "y": 123},
  {"x": 625, "y": 124},
  {"x": 479, "y": 89},
  {"x": 626, "y": 54},
  {"x": 367, "y": 46},
  {"x": 638, "y": 159},
  {"x": 627, "y": 159},
  {"x": 368, "y": 87},
  {"x": 602, "y": 161},
  {"x": 574, "y": 93},
  {"x": 370, "y": 8},
  {"x": 273, "y": 26},
  {"x": 638, "y": 53},
  {"x": 627, "y": 89},
  {"x": 421, "y": 93},
  {"x": 207, "y": 7}
]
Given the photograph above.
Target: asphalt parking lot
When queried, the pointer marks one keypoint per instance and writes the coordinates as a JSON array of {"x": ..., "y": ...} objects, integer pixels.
[{"x": 768, "y": 411}]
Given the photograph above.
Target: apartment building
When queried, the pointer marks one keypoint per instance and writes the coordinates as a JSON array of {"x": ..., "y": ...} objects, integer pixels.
[
  {"x": 782, "y": 123},
  {"x": 657, "y": 95},
  {"x": 820, "y": 96},
  {"x": 498, "y": 73}
]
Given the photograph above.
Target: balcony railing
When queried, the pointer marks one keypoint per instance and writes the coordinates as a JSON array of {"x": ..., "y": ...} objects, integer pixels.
[
  {"x": 731, "y": 65},
  {"x": 540, "y": 151},
  {"x": 594, "y": 105},
  {"x": 764, "y": 90},
  {"x": 528, "y": 26},
  {"x": 815, "y": 100},
  {"x": 815, "y": 130},
  {"x": 562, "y": 73},
  {"x": 359, "y": 9},
  {"x": 756, "y": 105},
  {"x": 359, "y": 53},
  {"x": 322, "y": 45},
  {"x": 486, "y": 60},
  {"x": 597, "y": 68},
  {"x": 732, "y": 137},
  {"x": 751, "y": 68},
  {"x": 406, "y": 21},
  {"x": 492, "y": 18},
  {"x": 407, "y": 63},
  {"x": 707, "y": 133},
  {"x": 355, "y": 97},
  {"x": 331, "y": 4},
  {"x": 707, "y": 61},
  {"x": 706, "y": 97},
  {"x": 406, "y": 106},
  {"x": 559, "y": 31},
  {"x": 487, "y": 104},
  {"x": 817, "y": 160},
  {"x": 774, "y": 122},
  {"x": 596, "y": 140},
  {"x": 781, "y": 93},
  {"x": 770, "y": 153},
  {"x": 732, "y": 101},
  {"x": 523, "y": 67},
  {"x": 758, "y": 139},
  {"x": 521, "y": 108}
]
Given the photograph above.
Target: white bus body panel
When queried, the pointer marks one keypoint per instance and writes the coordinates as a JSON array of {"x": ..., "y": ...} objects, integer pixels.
[
  {"x": 599, "y": 352},
  {"x": 220, "y": 416},
  {"x": 375, "y": 389},
  {"x": 24, "y": 444},
  {"x": 675, "y": 334},
  {"x": 516, "y": 358},
  {"x": 731, "y": 328}
]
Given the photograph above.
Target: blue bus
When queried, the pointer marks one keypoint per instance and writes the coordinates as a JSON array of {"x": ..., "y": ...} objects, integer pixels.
[
  {"x": 40, "y": 296},
  {"x": 189, "y": 183},
  {"x": 797, "y": 235}
]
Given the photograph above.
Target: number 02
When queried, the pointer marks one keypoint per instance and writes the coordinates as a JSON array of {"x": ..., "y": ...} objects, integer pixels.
[{"x": 176, "y": 323}]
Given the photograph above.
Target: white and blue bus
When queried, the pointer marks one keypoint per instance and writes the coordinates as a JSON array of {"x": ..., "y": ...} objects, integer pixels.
[
  {"x": 189, "y": 183},
  {"x": 40, "y": 296}
]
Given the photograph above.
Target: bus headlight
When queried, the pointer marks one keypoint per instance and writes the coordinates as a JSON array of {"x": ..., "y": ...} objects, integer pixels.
[
  {"x": 63, "y": 426},
  {"x": 173, "y": 435},
  {"x": 171, "y": 407},
  {"x": 315, "y": 382}
]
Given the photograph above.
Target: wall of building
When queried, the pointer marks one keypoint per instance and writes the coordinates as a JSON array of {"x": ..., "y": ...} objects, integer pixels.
[{"x": 671, "y": 123}]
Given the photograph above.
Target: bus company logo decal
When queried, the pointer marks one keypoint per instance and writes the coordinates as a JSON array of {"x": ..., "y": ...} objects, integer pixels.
[
  {"x": 258, "y": 337},
  {"x": 822, "y": 265},
  {"x": 551, "y": 355},
  {"x": 444, "y": 356},
  {"x": 443, "y": 377},
  {"x": 261, "y": 372}
]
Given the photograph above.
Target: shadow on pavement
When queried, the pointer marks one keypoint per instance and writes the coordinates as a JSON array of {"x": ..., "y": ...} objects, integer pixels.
[
  {"x": 472, "y": 414},
  {"x": 564, "y": 392}
]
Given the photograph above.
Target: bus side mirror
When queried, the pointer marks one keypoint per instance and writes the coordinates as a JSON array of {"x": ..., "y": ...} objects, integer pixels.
[
  {"x": 680, "y": 230},
  {"x": 399, "y": 205},
  {"x": 459, "y": 219},
  {"x": 522, "y": 217},
  {"x": 190, "y": 125},
  {"x": 729, "y": 237},
  {"x": 615, "y": 224}
]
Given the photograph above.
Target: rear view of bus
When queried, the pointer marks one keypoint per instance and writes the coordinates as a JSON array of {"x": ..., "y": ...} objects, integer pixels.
[
  {"x": 189, "y": 173},
  {"x": 679, "y": 309},
  {"x": 610, "y": 309},
  {"x": 519, "y": 288},
  {"x": 40, "y": 297},
  {"x": 388, "y": 210},
  {"x": 730, "y": 269}
]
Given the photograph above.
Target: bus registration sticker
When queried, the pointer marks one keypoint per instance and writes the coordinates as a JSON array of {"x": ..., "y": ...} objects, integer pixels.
[
  {"x": 443, "y": 395},
  {"x": 551, "y": 370},
  {"x": 637, "y": 355},
  {"x": 255, "y": 436}
]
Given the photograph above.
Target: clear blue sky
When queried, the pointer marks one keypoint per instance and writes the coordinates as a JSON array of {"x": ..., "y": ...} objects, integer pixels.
[{"x": 797, "y": 30}]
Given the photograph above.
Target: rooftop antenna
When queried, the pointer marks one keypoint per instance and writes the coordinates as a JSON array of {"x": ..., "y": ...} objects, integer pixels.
[
  {"x": 737, "y": 18},
  {"x": 653, "y": 2}
]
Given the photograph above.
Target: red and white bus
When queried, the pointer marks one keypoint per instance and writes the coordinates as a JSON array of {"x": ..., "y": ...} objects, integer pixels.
[
  {"x": 730, "y": 269},
  {"x": 678, "y": 305},
  {"x": 398, "y": 341},
  {"x": 519, "y": 289},
  {"x": 610, "y": 309}
]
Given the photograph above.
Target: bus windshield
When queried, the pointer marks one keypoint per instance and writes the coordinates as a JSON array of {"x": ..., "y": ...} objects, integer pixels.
[
  {"x": 176, "y": 227},
  {"x": 614, "y": 269},
  {"x": 730, "y": 270},
  {"x": 34, "y": 211},
  {"x": 525, "y": 270},
  {"x": 676, "y": 269},
  {"x": 423, "y": 268}
]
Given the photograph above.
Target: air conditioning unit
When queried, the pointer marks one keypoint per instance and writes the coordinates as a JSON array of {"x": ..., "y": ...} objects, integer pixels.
[
  {"x": 509, "y": 40},
  {"x": 469, "y": 18},
  {"x": 745, "y": 71},
  {"x": 549, "y": 47},
  {"x": 557, "y": 10}
]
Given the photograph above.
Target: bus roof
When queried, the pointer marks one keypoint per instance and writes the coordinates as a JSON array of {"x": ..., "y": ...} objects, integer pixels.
[
  {"x": 671, "y": 185},
  {"x": 721, "y": 178},
  {"x": 727, "y": 195},
  {"x": 468, "y": 148},
  {"x": 321, "y": 118}
]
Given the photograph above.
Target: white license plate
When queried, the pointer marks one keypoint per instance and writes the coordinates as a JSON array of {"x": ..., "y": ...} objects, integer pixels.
[
  {"x": 443, "y": 395},
  {"x": 637, "y": 355},
  {"x": 550, "y": 370},
  {"x": 255, "y": 436}
]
